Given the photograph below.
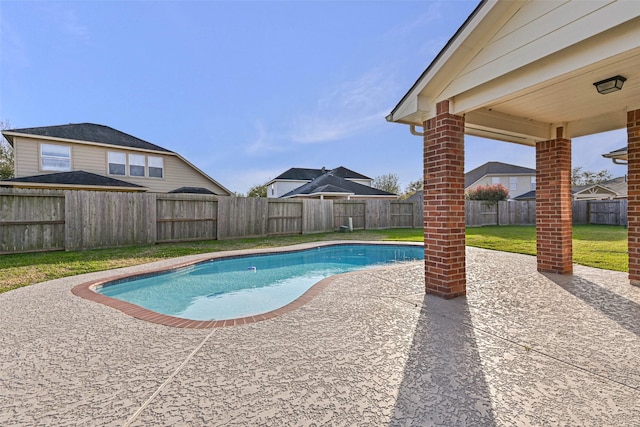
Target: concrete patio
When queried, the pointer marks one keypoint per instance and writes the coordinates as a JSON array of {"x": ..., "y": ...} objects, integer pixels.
[{"x": 522, "y": 348}]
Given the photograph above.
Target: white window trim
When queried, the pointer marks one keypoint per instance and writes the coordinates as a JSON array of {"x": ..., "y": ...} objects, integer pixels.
[
  {"x": 42, "y": 157},
  {"x": 143, "y": 165},
  {"x": 149, "y": 161},
  {"x": 125, "y": 163},
  {"x": 513, "y": 183}
]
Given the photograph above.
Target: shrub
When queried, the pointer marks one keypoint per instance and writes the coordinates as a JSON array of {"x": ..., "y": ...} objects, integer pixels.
[{"x": 491, "y": 193}]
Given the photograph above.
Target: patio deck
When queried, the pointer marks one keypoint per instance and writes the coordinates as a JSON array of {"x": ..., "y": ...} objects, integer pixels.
[{"x": 522, "y": 348}]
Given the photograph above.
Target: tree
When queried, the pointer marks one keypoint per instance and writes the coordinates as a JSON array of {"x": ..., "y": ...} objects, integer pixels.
[
  {"x": 388, "y": 182},
  {"x": 489, "y": 193},
  {"x": 258, "y": 191},
  {"x": 412, "y": 188},
  {"x": 6, "y": 155},
  {"x": 580, "y": 177}
]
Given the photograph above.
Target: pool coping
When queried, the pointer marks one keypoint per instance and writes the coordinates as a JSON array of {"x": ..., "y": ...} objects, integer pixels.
[{"x": 87, "y": 290}]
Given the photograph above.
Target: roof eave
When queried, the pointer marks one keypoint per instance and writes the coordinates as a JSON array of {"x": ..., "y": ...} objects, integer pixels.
[{"x": 412, "y": 108}]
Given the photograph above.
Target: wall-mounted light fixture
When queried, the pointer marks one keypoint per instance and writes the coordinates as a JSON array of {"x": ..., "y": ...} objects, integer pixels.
[{"x": 609, "y": 85}]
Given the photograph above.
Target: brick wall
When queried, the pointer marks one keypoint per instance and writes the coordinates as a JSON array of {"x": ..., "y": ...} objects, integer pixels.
[
  {"x": 553, "y": 205},
  {"x": 633, "y": 211},
  {"x": 444, "y": 206}
]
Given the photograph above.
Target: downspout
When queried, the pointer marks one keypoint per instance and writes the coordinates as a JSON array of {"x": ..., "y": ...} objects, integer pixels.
[{"x": 412, "y": 129}]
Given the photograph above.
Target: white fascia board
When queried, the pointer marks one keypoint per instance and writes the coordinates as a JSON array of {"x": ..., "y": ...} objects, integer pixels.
[
  {"x": 203, "y": 174},
  {"x": 419, "y": 103}
]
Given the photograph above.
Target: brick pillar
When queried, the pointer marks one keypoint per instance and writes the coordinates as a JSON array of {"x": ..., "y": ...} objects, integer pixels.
[
  {"x": 444, "y": 210},
  {"x": 553, "y": 205},
  {"x": 633, "y": 210}
]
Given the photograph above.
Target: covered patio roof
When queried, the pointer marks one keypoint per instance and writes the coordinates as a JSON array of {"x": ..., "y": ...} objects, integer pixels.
[{"x": 517, "y": 70}]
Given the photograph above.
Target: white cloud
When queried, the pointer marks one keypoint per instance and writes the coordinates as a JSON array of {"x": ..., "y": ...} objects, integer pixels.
[
  {"x": 350, "y": 109},
  {"x": 66, "y": 20},
  {"x": 265, "y": 142}
]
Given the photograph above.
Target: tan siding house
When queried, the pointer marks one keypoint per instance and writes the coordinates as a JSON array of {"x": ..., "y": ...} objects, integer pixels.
[{"x": 51, "y": 156}]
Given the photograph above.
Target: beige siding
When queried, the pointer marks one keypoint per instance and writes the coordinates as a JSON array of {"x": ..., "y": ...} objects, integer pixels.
[
  {"x": 92, "y": 158},
  {"x": 537, "y": 30},
  {"x": 27, "y": 157}
]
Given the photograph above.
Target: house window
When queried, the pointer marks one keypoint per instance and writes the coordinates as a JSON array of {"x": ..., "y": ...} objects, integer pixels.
[
  {"x": 55, "y": 157},
  {"x": 156, "y": 167},
  {"x": 117, "y": 163},
  {"x": 513, "y": 183},
  {"x": 495, "y": 180},
  {"x": 533, "y": 182},
  {"x": 136, "y": 165}
]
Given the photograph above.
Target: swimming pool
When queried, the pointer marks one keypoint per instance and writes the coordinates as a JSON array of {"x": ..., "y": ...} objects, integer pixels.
[{"x": 244, "y": 286}]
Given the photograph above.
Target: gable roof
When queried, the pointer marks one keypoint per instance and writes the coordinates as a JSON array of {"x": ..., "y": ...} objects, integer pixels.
[
  {"x": 330, "y": 183},
  {"x": 519, "y": 70},
  {"x": 305, "y": 174},
  {"x": 616, "y": 186},
  {"x": 86, "y": 132},
  {"x": 75, "y": 179},
  {"x": 619, "y": 156},
  {"x": 495, "y": 168}
]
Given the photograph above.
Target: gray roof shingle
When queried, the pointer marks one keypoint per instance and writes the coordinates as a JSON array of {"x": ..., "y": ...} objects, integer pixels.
[
  {"x": 304, "y": 174},
  {"x": 73, "y": 178},
  {"x": 89, "y": 132},
  {"x": 330, "y": 183},
  {"x": 495, "y": 168}
]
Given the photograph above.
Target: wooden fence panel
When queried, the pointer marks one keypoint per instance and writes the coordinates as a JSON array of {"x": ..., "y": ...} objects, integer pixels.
[
  {"x": 513, "y": 212},
  {"x": 186, "y": 217},
  {"x": 580, "y": 211},
  {"x": 606, "y": 212},
  {"x": 479, "y": 212},
  {"x": 284, "y": 217},
  {"x": 31, "y": 220},
  {"x": 378, "y": 214},
  {"x": 317, "y": 216},
  {"x": 418, "y": 215},
  {"x": 401, "y": 215},
  {"x": 624, "y": 205},
  {"x": 242, "y": 217},
  {"x": 95, "y": 219},
  {"x": 345, "y": 209}
]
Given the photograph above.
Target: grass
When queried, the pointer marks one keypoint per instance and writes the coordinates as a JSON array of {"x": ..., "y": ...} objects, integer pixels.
[{"x": 598, "y": 246}]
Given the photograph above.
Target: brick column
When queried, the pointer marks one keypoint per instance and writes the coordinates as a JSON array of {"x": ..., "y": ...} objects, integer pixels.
[
  {"x": 553, "y": 205},
  {"x": 444, "y": 210},
  {"x": 633, "y": 210}
]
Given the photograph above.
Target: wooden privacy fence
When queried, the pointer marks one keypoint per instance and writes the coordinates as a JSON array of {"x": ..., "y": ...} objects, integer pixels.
[
  {"x": 48, "y": 220},
  {"x": 31, "y": 220},
  {"x": 44, "y": 220},
  {"x": 604, "y": 212}
]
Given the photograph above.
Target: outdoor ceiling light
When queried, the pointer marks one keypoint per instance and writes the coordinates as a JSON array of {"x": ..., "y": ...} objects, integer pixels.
[{"x": 609, "y": 85}]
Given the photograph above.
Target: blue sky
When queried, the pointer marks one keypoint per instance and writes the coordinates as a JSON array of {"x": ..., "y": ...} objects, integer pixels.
[{"x": 244, "y": 90}]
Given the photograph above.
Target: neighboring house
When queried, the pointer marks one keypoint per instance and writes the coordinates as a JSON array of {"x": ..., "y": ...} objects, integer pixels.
[
  {"x": 517, "y": 179},
  {"x": 95, "y": 157},
  {"x": 613, "y": 189},
  {"x": 338, "y": 183}
]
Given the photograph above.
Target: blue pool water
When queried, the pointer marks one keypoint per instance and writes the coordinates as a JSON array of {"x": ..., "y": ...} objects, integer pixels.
[{"x": 244, "y": 286}]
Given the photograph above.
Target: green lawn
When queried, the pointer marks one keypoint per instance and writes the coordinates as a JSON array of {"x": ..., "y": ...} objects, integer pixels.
[{"x": 593, "y": 245}]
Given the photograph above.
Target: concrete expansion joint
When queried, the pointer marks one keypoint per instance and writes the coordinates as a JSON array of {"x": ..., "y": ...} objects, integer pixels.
[
  {"x": 531, "y": 348},
  {"x": 166, "y": 382}
]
